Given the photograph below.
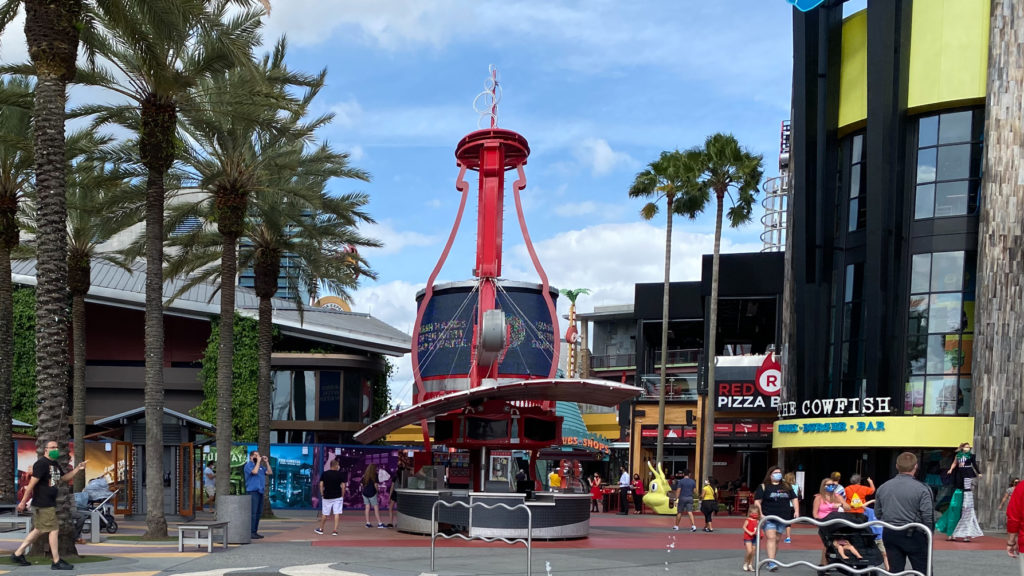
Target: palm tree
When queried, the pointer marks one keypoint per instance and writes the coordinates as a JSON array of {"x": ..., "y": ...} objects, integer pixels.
[
  {"x": 16, "y": 163},
  {"x": 724, "y": 168},
  {"x": 155, "y": 53},
  {"x": 52, "y": 29},
  {"x": 237, "y": 143},
  {"x": 571, "y": 340},
  {"x": 96, "y": 194},
  {"x": 289, "y": 216},
  {"x": 669, "y": 177}
]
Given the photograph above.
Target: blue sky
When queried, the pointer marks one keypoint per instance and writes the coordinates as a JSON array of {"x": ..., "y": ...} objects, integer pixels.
[{"x": 598, "y": 87}]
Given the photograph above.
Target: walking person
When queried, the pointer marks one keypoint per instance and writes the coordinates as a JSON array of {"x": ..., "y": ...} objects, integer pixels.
[
  {"x": 332, "y": 497},
  {"x": 255, "y": 473},
  {"x": 209, "y": 484},
  {"x": 790, "y": 479},
  {"x": 965, "y": 472},
  {"x": 595, "y": 492},
  {"x": 685, "y": 488},
  {"x": 370, "y": 488},
  {"x": 708, "y": 504},
  {"x": 826, "y": 501},
  {"x": 749, "y": 535},
  {"x": 1015, "y": 521},
  {"x": 638, "y": 493},
  {"x": 775, "y": 497},
  {"x": 623, "y": 491},
  {"x": 47, "y": 474},
  {"x": 1008, "y": 493},
  {"x": 900, "y": 501}
]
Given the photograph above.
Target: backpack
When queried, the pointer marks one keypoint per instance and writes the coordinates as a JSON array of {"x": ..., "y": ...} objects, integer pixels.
[{"x": 370, "y": 489}]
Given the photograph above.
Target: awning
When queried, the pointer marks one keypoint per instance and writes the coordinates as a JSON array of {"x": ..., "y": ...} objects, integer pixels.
[
  {"x": 599, "y": 392},
  {"x": 16, "y": 422}
]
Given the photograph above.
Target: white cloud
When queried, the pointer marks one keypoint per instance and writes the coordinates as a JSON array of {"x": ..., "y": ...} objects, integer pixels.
[
  {"x": 597, "y": 155},
  {"x": 394, "y": 240},
  {"x": 593, "y": 210},
  {"x": 434, "y": 203},
  {"x": 13, "y": 49}
]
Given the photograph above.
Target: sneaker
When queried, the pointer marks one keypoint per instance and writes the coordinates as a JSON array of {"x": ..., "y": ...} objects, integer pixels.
[
  {"x": 61, "y": 565},
  {"x": 676, "y": 528},
  {"x": 693, "y": 528},
  {"x": 381, "y": 526},
  {"x": 788, "y": 540},
  {"x": 368, "y": 525},
  {"x": 335, "y": 533},
  {"x": 318, "y": 531},
  {"x": 747, "y": 568},
  {"x": 773, "y": 567},
  {"x": 20, "y": 560}
]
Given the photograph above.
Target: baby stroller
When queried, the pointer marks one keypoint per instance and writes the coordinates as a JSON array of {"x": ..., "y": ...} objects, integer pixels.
[
  {"x": 96, "y": 497},
  {"x": 861, "y": 539}
]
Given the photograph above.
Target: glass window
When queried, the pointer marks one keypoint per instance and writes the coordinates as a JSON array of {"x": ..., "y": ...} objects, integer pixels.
[
  {"x": 928, "y": 131},
  {"x": 947, "y": 271},
  {"x": 914, "y": 400},
  {"x": 954, "y": 162},
  {"x": 294, "y": 396},
  {"x": 940, "y": 331},
  {"x": 955, "y": 127},
  {"x": 853, "y": 148},
  {"x": 924, "y": 202},
  {"x": 926, "y": 165},
  {"x": 921, "y": 273},
  {"x": 949, "y": 163}
]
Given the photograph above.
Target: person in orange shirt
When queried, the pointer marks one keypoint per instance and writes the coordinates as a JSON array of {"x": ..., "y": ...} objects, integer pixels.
[{"x": 857, "y": 494}]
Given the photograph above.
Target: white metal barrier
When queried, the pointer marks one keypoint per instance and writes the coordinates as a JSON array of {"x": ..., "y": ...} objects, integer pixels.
[
  {"x": 529, "y": 528},
  {"x": 835, "y": 565}
]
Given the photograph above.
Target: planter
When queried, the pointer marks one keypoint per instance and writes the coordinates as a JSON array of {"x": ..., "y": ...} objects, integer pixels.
[{"x": 237, "y": 511}]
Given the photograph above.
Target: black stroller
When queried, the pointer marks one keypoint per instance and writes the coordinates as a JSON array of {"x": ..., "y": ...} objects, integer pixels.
[
  {"x": 96, "y": 497},
  {"x": 862, "y": 540}
]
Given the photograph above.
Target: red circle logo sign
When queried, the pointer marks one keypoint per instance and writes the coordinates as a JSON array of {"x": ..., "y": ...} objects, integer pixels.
[{"x": 769, "y": 376}]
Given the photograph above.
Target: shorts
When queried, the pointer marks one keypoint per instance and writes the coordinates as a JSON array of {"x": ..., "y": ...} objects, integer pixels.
[
  {"x": 44, "y": 519},
  {"x": 210, "y": 491},
  {"x": 776, "y": 526},
  {"x": 685, "y": 506},
  {"x": 332, "y": 506},
  {"x": 370, "y": 501},
  {"x": 748, "y": 540}
]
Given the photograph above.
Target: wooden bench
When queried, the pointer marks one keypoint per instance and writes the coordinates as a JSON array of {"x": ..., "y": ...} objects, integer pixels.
[
  {"x": 26, "y": 520},
  {"x": 196, "y": 528}
]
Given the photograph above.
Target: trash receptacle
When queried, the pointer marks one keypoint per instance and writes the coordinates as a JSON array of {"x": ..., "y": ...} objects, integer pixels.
[{"x": 237, "y": 511}]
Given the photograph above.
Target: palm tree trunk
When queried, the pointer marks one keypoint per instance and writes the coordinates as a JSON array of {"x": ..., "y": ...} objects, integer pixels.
[
  {"x": 660, "y": 451},
  {"x": 78, "y": 391},
  {"x": 52, "y": 298},
  {"x": 156, "y": 522},
  {"x": 225, "y": 361},
  {"x": 707, "y": 466},
  {"x": 998, "y": 365},
  {"x": 6, "y": 373},
  {"x": 265, "y": 340}
]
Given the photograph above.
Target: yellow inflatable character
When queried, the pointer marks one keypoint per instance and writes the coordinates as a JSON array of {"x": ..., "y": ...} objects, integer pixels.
[{"x": 657, "y": 496}]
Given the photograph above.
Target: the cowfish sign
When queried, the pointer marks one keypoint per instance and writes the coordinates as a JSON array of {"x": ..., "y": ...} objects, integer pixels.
[{"x": 747, "y": 383}]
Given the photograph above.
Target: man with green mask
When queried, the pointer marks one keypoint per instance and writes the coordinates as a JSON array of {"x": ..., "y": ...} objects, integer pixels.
[{"x": 47, "y": 474}]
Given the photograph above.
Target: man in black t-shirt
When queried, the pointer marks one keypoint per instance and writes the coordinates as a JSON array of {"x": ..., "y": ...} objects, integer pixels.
[
  {"x": 332, "y": 492},
  {"x": 42, "y": 489}
]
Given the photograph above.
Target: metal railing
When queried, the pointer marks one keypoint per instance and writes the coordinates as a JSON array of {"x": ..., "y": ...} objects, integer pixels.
[
  {"x": 612, "y": 361},
  {"x": 835, "y": 565},
  {"x": 529, "y": 528},
  {"x": 685, "y": 356},
  {"x": 676, "y": 387}
]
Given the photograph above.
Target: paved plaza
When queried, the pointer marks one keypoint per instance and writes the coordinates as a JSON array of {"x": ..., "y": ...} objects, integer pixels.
[{"x": 619, "y": 545}]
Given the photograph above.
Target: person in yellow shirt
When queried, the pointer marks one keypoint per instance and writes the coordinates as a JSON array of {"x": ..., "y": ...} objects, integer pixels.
[
  {"x": 555, "y": 481},
  {"x": 708, "y": 504}
]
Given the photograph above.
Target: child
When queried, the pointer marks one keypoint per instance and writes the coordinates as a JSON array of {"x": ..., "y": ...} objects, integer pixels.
[
  {"x": 749, "y": 534},
  {"x": 843, "y": 546}
]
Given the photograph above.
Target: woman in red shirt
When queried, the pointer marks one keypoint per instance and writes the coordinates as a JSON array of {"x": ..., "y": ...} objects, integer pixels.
[{"x": 1015, "y": 520}]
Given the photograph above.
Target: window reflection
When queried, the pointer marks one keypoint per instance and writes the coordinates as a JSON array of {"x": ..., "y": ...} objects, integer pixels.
[{"x": 949, "y": 164}]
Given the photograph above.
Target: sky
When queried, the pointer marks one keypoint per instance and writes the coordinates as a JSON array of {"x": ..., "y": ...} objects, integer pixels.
[{"x": 599, "y": 88}]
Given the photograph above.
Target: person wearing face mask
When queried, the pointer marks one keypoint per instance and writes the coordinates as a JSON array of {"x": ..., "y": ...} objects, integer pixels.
[
  {"x": 775, "y": 497},
  {"x": 965, "y": 472},
  {"x": 255, "y": 473},
  {"x": 47, "y": 474},
  {"x": 900, "y": 501}
]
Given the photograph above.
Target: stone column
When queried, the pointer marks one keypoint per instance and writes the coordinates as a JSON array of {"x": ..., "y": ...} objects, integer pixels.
[{"x": 999, "y": 314}]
